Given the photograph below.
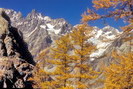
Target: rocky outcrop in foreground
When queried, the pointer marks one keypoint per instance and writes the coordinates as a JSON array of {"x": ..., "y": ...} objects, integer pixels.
[{"x": 16, "y": 63}]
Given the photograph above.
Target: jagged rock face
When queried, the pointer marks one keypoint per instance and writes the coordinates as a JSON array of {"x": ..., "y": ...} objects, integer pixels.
[
  {"x": 38, "y": 31},
  {"x": 16, "y": 63},
  {"x": 14, "y": 73}
]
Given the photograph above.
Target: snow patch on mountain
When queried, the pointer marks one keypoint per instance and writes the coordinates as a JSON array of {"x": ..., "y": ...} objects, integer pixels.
[
  {"x": 43, "y": 26},
  {"x": 52, "y": 29},
  {"x": 107, "y": 33},
  {"x": 40, "y": 16},
  {"x": 50, "y": 26},
  {"x": 99, "y": 33},
  {"x": 47, "y": 18}
]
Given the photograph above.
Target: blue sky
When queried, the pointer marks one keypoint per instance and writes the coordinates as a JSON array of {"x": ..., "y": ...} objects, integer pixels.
[{"x": 70, "y": 10}]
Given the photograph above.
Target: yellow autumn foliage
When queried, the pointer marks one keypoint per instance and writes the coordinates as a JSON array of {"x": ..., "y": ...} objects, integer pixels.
[
  {"x": 121, "y": 9},
  {"x": 120, "y": 75},
  {"x": 71, "y": 70}
]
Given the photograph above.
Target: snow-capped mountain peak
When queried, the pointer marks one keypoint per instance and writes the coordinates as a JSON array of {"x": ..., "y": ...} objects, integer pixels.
[
  {"x": 102, "y": 38},
  {"x": 38, "y": 30}
]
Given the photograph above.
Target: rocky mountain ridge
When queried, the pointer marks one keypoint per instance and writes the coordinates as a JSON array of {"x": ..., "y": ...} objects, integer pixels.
[{"x": 40, "y": 31}]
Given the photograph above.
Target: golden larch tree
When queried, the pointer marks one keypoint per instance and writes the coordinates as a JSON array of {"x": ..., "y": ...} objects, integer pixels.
[
  {"x": 69, "y": 56},
  {"x": 82, "y": 50},
  {"x": 120, "y": 74},
  {"x": 60, "y": 59},
  {"x": 121, "y": 9}
]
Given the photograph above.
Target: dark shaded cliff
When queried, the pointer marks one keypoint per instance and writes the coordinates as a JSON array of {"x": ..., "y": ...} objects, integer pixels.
[{"x": 16, "y": 62}]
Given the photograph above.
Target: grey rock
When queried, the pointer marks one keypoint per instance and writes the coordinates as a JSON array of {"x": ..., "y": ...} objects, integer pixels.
[
  {"x": 36, "y": 30},
  {"x": 16, "y": 62}
]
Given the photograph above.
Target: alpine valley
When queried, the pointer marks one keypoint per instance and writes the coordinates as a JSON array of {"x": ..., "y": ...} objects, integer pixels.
[{"x": 39, "y": 32}]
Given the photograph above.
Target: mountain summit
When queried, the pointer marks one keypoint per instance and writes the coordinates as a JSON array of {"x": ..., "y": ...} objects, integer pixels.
[{"x": 38, "y": 30}]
